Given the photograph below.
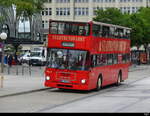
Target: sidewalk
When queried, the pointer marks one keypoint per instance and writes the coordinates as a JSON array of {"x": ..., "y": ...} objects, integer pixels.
[
  {"x": 14, "y": 85},
  {"x": 138, "y": 67}
]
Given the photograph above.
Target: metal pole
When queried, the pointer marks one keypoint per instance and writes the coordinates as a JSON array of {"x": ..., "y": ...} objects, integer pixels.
[
  {"x": 2, "y": 59},
  {"x": 3, "y": 36},
  {"x": 2, "y": 66},
  {"x": 17, "y": 69},
  {"x": 1, "y": 82},
  {"x": 22, "y": 70}
]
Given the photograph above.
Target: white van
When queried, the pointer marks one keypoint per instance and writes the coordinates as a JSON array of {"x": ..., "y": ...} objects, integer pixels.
[{"x": 38, "y": 56}]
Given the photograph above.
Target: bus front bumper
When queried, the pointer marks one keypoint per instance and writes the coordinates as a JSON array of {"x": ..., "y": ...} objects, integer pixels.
[{"x": 67, "y": 85}]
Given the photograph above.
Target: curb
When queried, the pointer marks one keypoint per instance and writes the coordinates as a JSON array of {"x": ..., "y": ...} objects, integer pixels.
[
  {"x": 24, "y": 92},
  {"x": 132, "y": 70}
]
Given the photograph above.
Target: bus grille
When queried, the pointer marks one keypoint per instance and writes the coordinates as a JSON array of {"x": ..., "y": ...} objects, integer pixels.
[{"x": 67, "y": 76}]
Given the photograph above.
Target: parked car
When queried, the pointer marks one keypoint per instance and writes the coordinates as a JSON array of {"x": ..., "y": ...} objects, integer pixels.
[{"x": 24, "y": 58}]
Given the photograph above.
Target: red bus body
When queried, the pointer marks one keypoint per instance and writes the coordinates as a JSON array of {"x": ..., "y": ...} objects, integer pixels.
[{"x": 87, "y": 79}]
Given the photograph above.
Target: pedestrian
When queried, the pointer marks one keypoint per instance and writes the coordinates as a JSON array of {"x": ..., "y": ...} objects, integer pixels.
[
  {"x": 10, "y": 59},
  {"x": 16, "y": 58},
  {"x": 134, "y": 59},
  {"x": 6, "y": 59}
]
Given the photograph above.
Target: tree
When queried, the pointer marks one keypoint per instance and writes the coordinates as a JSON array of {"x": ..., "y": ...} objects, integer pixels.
[
  {"x": 25, "y": 9},
  {"x": 110, "y": 15},
  {"x": 139, "y": 22},
  {"x": 144, "y": 15}
]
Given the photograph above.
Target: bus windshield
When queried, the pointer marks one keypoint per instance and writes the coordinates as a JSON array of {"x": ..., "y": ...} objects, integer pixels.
[
  {"x": 68, "y": 28},
  {"x": 68, "y": 59}
]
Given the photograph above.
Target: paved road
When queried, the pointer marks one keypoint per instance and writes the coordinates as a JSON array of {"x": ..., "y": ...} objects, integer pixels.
[{"x": 132, "y": 96}]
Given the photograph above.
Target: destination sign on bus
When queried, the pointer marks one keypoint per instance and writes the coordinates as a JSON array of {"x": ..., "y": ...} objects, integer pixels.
[
  {"x": 68, "y": 44},
  {"x": 70, "y": 38}
]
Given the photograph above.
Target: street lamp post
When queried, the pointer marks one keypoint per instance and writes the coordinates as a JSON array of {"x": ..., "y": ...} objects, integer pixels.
[{"x": 3, "y": 37}]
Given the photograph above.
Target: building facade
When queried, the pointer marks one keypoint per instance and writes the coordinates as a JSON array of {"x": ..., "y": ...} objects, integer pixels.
[
  {"x": 19, "y": 30},
  {"x": 84, "y": 10}
]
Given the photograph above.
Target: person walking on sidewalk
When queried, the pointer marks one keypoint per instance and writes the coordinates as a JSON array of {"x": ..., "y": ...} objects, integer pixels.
[
  {"x": 6, "y": 59},
  {"x": 10, "y": 59}
]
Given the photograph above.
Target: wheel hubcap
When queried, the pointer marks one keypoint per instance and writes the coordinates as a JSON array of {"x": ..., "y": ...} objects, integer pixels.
[{"x": 99, "y": 83}]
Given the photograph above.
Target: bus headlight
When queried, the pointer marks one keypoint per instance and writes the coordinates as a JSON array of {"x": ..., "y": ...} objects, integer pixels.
[
  {"x": 83, "y": 81},
  {"x": 48, "y": 78}
]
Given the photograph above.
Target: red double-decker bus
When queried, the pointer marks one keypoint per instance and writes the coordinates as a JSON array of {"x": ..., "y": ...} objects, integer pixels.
[{"x": 86, "y": 55}]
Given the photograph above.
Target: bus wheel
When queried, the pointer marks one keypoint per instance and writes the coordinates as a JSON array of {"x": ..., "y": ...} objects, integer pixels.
[
  {"x": 119, "y": 79},
  {"x": 99, "y": 84}
]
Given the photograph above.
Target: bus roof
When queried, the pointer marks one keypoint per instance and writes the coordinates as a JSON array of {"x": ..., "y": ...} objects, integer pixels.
[{"x": 105, "y": 24}]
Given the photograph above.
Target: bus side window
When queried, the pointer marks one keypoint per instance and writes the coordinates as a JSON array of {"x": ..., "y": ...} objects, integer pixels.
[
  {"x": 112, "y": 31},
  {"x": 116, "y": 33},
  {"x": 99, "y": 62},
  {"x": 67, "y": 28},
  {"x": 128, "y": 34},
  {"x": 53, "y": 27},
  {"x": 124, "y": 58},
  {"x": 93, "y": 59},
  {"x": 60, "y": 28},
  {"x": 120, "y": 33},
  {"x": 115, "y": 58},
  {"x": 124, "y": 34},
  {"x": 105, "y": 31},
  {"x": 109, "y": 59},
  {"x": 96, "y": 30},
  {"x": 103, "y": 59}
]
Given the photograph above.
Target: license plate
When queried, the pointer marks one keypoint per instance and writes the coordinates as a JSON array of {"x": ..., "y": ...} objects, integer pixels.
[{"x": 64, "y": 81}]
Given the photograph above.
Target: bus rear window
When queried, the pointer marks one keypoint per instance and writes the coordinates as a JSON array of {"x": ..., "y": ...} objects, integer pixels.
[{"x": 68, "y": 28}]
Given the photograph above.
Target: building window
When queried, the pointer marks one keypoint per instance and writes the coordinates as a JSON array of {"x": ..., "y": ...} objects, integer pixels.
[
  {"x": 62, "y": 11},
  {"x": 78, "y": 11},
  {"x": 48, "y": 1},
  {"x": 46, "y": 12},
  {"x": 106, "y": 1},
  {"x": 81, "y": 1},
  {"x": 45, "y": 24},
  {"x": 62, "y": 1}
]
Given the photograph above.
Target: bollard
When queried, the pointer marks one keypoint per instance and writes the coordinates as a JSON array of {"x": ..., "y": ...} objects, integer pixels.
[
  {"x": 22, "y": 70},
  {"x": 30, "y": 70},
  {"x": 8, "y": 69},
  {"x": 1, "y": 81},
  {"x": 17, "y": 70}
]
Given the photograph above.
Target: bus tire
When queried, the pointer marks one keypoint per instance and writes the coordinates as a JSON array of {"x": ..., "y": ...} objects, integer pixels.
[
  {"x": 99, "y": 83},
  {"x": 119, "y": 79}
]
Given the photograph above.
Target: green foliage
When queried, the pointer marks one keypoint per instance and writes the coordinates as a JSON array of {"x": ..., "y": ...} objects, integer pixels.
[
  {"x": 139, "y": 22},
  {"x": 24, "y": 7},
  {"x": 111, "y": 15}
]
